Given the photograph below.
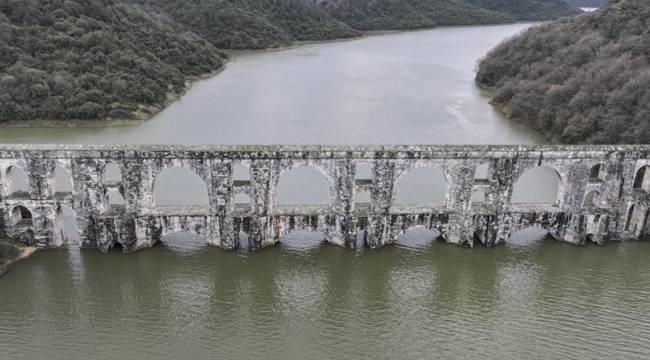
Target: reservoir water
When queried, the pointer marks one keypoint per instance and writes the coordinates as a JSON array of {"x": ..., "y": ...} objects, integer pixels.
[{"x": 531, "y": 298}]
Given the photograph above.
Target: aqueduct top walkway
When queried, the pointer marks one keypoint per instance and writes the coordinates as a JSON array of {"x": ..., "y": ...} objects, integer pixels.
[{"x": 603, "y": 193}]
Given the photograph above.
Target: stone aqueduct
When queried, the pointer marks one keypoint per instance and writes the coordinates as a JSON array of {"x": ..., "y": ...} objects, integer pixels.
[{"x": 603, "y": 194}]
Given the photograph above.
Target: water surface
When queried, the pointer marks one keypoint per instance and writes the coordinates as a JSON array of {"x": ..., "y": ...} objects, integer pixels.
[{"x": 413, "y": 88}]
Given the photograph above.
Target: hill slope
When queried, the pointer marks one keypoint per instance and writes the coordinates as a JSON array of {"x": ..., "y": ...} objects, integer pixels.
[
  {"x": 579, "y": 80},
  {"x": 123, "y": 59},
  {"x": 587, "y": 3},
  {"x": 92, "y": 60},
  {"x": 253, "y": 24},
  {"x": 529, "y": 10},
  {"x": 409, "y": 14}
]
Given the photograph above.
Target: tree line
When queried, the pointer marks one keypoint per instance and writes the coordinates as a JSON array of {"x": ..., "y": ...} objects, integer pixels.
[
  {"x": 578, "y": 80},
  {"x": 125, "y": 59}
]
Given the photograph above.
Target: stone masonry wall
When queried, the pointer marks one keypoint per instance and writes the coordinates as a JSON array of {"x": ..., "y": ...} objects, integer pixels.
[{"x": 598, "y": 206}]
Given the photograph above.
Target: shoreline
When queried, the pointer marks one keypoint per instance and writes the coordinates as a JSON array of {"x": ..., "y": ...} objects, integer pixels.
[
  {"x": 24, "y": 253},
  {"x": 504, "y": 109},
  {"x": 146, "y": 114}
]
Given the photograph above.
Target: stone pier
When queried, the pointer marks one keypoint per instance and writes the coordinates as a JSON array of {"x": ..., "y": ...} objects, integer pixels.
[{"x": 602, "y": 196}]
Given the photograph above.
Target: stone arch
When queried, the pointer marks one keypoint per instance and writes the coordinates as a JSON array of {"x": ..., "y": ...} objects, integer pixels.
[
  {"x": 642, "y": 178},
  {"x": 592, "y": 200},
  {"x": 421, "y": 185},
  {"x": 527, "y": 236},
  {"x": 635, "y": 219},
  {"x": 185, "y": 240},
  {"x": 28, "y": 237},
  {"x": 65, "y": 226},
  {"x": 241, "y": 172},
  {"x": 302, "y": 239},
  {"x": 481, "y": 182},
  {"x": 363, "y": 170},
  {"x": 179, "y": 186},
  {"x": 362, "y": 200},
  {"x": 418, "y": 236},
  {"x": 61, "y": 180},
  {"x": 538, "y": 185},
  {"x": 302, "y": 185},
  {"x": 111, "y": 173},
  {"x": 597, "y": 173},
  {"x": 243, "y": 240},
  {"x": 17, "y": 181},
  {"x": 115, "y": 197},
  {"x": 21, "y": 216},
  {"x": 241, "y": 197}
]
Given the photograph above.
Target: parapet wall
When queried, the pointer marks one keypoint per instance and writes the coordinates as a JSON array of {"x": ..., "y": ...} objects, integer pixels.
[{"x": 603, "y": 193}]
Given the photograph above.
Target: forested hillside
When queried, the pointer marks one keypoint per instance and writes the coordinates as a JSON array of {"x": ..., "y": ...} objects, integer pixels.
[
  {"x": 579, "y": 80},
  {"x": 409, "y": 14},
  {"x": 253, "y": 24},
  {"x": 527, "y": 10},
  {"x": 587, "y": 3},
  {"x": 123, "y": 59},
  {"x": 78, "y": 59}
]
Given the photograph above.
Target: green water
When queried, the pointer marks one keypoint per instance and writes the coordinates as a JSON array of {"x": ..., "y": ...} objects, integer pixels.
[{"x": 539, "y": 300}]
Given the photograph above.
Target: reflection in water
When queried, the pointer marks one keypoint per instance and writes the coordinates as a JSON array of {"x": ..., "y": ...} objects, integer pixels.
[
  {"x": 302, "y": 240},
  {"x": 417, "y": 237},
  {"x": 516, "y": 302}
]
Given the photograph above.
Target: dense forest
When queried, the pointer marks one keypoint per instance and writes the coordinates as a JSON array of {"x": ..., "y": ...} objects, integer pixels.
[
  {"x": 252, "y": 24},
  {"x": 579, "y": 80},
  {"x": 528, "y": 10},
  {"x": 78, "y": 59},
  {"x": 409, "y": 14},
  {"x": 125, "y": 59},
  {"x": 587, "y": 3}
]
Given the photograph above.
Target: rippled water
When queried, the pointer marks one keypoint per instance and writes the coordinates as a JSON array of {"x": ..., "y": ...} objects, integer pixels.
[
  {"x": 302, "y": 300},
  {"x": 540, "y": 300}
]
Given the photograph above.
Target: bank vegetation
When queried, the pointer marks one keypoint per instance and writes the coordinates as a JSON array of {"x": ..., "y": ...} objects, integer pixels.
[
  {"x": 578, "y": 80},
  {"x": 71, "y": 61}
]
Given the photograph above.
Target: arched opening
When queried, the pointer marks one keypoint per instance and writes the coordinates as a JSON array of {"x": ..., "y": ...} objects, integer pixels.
[
  {"x": 590, "y": 239},
  {"x": 184, "y": 242},
  {"x": 241, "y": 172},
  {"x": 62, "y": 184},
  {"x": 112, "y": 174},
  {"x": 241, "y": 176},
  {"x": 244, "y": 242},
  {"x": 636, "y": 218},
  {"x": 303, "y": 185},
  {"x": 592, "y": 200},
  {"x": 528, "y": 237},
  {"x": 363, "y": 171},
  {"x": 539, "y": 185},
  {"x": 17, "y": 183},
  {"x": 641, "y": 180},
  {"x": 28, "y": 237},
  {"x": 66, "y": 226},
  {"x": 362, "y": 201},
  {"x": 597, "y": 173},
  {"x": 179, "y": 186},
  {"x": 21, "y": 216},
  {"x": 302, "y": 240},
  {"x": 242, "y": 202},
  {"x": 117, "y": 247},
  {"x": 115, "y": 198},
  {"x": 481, "y": 182},
  {"x": 630, "y": 214},
  {"x": 417, "y": 237},
  {"x": 424, "y": 186},
  {"x": 360, "y": 239}
]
